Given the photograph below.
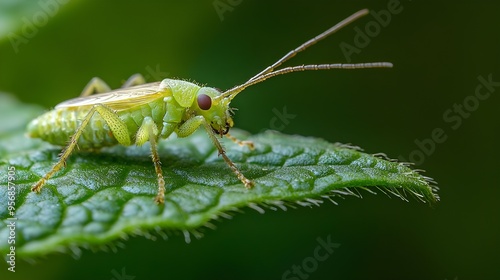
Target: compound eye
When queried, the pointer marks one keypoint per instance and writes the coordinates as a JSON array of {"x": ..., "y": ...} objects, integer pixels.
[{"x": 204, "y": 101}]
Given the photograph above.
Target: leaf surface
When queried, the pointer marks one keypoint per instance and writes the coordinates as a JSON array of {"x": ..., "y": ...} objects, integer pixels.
[{"x": 101, "y": 197}]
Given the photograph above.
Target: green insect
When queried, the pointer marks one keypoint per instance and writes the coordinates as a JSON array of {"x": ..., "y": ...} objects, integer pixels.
[{"x": 139, "y": 112}]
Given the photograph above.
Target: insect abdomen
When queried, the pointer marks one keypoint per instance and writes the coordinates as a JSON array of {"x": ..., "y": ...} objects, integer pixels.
[{"x": 59, "y": 125}]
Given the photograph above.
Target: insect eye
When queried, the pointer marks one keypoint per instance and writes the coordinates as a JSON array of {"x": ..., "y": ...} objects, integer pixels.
[{"x": 204, "y": 101}]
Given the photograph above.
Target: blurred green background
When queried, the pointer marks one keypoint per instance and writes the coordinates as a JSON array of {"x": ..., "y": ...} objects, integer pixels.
[{"x": 439, "y": 48}]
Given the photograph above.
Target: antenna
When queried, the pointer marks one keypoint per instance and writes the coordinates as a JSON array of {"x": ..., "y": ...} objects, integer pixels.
[{"x": 269, "y": 71}]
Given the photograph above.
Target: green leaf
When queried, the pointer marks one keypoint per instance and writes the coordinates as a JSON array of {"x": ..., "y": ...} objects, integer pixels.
[{"x": 101, "y": 197}]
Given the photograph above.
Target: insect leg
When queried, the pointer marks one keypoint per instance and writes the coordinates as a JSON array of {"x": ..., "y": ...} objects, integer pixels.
[
  {"x": 248, "y": 184},
  {"x": 149, "y": 131},
  {"x": 190, "y": 126},
  {"x": 239, "y": 142},
  {"x": 116, "y": 125},
  {"x": 134, "y": 80},
  {"x": 65, "y": 153},
  {"x": 96, "y": 85}
]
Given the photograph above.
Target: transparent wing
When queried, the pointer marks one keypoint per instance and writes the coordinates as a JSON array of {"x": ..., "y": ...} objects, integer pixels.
[{"x": 119, "y": 99}]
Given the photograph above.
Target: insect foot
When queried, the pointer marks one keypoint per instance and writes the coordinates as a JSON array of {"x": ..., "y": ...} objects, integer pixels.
[
  {"x": 249, "y": 144},
  {"x": 38, "y": 186}
]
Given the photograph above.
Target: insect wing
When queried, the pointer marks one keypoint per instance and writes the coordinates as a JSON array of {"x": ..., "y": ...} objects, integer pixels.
[{"x": 119, "y": 99}]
